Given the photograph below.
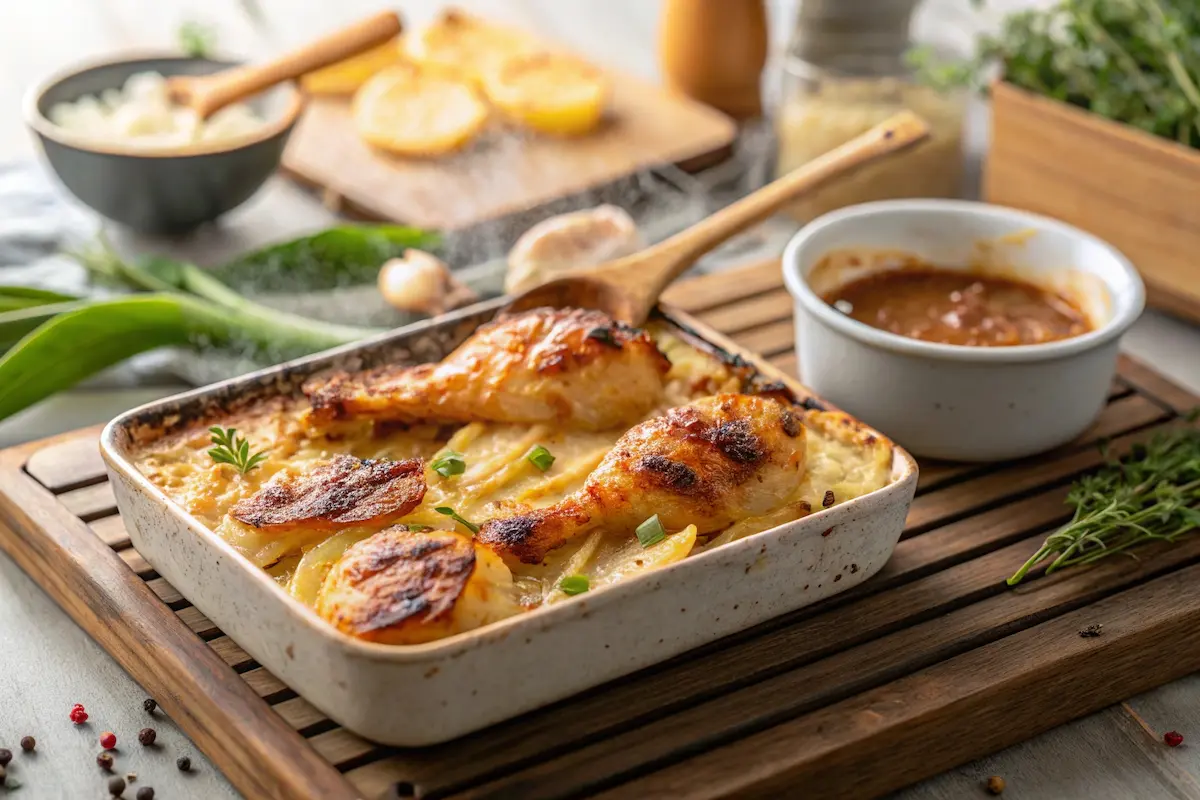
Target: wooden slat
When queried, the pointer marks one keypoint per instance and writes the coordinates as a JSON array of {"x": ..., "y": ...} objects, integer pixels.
[
  {"x": 257, "y": 750},
  {"x": 90, "y": 502},
  {"x": 772, "y": 339},
  {"x": 716, "y": 289},
  {"x": 958, "y": 710},
  {"x": 69, "y": 464},
  {"x": 111, "y": 531},
  {"x": 732, "y": 318}
]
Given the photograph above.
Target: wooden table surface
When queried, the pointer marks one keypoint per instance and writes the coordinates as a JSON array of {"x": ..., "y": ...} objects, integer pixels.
[{"x": 47, "y": 663}]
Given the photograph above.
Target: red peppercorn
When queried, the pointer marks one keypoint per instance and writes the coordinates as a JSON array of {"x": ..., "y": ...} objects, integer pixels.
[
  {"x": 28, "y": 743},
  {"x": 104, "y": 761},
  {"x": 1173, "y": 738},
  {"x": 108, "y": 740},
  {"x": 78, "y": 715},
  {"x": 147, "y": 736}
]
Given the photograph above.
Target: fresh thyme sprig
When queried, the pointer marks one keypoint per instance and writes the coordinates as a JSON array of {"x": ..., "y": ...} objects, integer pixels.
[
  {"x": 229, "y": 448},
  {"x": 1152, "y": 495}
]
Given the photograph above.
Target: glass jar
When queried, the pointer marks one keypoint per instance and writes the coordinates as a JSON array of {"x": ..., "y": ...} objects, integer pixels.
[{"x": 845, "y": 74}]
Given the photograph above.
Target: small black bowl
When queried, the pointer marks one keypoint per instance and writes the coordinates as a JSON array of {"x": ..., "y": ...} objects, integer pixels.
[{"x": 161, "y": 190}]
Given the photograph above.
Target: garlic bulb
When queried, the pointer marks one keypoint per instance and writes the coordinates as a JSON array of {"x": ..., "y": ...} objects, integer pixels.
[
  {"x": 570, "y": 241},
  {"x": 421, "y": 283}
]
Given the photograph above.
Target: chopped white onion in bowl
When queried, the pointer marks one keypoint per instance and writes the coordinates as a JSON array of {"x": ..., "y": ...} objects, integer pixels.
[{"x": 141, "y": 114}]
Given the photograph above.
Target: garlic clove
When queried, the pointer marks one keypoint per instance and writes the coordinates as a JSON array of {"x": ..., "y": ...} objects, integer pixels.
[
  {"x": 570, "y": 241},
  {"x": 421, "y": 283}
]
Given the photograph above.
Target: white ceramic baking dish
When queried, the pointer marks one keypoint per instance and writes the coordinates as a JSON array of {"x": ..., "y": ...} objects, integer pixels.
[{"x": 430, "y": 693}]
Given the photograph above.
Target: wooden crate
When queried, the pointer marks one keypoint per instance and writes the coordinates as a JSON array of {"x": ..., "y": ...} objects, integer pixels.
[
  {"x": 1139, "y": 192},
  {"x": 932, "y": 662}
]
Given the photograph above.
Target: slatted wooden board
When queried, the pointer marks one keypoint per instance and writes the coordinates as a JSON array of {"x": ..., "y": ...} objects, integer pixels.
[{"x": 929, "y": 664}]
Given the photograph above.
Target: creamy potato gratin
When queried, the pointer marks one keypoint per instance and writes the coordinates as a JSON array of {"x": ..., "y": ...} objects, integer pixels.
[{"x": 554, "y": 452}]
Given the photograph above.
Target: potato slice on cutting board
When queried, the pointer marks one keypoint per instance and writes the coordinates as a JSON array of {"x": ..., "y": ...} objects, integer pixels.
[
  {"x": 550, "y": 93},
  {"x": 345, "y": 77},
  {"x": 468, "y": 45},
  {"x": 417, "y": 111}
]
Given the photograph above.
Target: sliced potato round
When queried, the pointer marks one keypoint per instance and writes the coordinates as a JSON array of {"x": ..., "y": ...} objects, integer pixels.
[
  {"x": 550, "y": 93},
  {"x": 345, "y": 77},
  {"x": 413, "y": 111},
  {"x": 465, "y": 44}
]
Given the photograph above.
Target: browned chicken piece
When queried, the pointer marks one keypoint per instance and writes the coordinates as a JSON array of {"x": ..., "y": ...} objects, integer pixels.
[
  {"x": 567, "y": 366},
  {"x": 346, "y": 492},
  {"x": 709, "y": 463},
  {"x": 407, "y": 587}
]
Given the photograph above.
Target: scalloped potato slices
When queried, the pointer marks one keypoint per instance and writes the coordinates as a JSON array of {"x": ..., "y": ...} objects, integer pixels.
[{"x": 396, "y": 565}]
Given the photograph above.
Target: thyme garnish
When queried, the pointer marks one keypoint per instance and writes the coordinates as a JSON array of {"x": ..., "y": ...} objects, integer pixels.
[
  {"x": 1152, "y": 495},
  {"x": 229, "y": 448}
]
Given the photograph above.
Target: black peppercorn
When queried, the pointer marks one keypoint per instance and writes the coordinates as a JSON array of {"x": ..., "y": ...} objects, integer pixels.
[
  {"x": 116, "y": 786},
  {"x": 5, "y": 756},
  {"x": 145, "y": 793},
  {"x": 28, "y": 743},
  {"x": 104, "y": 761},
  {"x": 147, "y": 736},
  {"x": 184, "y": 763},
  {"x": 149, "y": 705}
]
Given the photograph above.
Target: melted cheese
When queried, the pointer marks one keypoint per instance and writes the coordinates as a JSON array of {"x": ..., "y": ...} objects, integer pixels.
[{"x": 842, "y": 458}]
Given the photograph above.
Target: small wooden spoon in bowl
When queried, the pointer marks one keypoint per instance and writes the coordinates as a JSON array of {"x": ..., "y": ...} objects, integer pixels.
[
  {"x": 208, "y": 94},
  {"x": 628, "y": 288}
]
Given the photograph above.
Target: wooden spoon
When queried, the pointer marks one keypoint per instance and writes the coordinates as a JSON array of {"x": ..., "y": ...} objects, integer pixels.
[
  {"x": 628, "y": 288},
  {"x": 207, "y": 94}
]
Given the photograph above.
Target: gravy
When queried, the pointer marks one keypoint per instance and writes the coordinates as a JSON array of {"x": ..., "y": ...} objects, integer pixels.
[{"x": 960, "y": 308}]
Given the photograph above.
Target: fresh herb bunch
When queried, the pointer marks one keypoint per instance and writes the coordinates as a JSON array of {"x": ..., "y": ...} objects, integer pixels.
[
  {"x": 229, "y": 448},
  {"x": 1152, "y": 495},
  {"x": 1132, "y": 61}
]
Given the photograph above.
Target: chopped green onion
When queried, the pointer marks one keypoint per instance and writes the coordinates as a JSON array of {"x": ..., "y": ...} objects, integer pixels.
[
  {"x": 449, "y": 463},
  {"x": 541, "y": 458},
  {"x": 452, "y": 514},
  {"x": 651, "y": 532},
  {"x": 574, "y": 584},
  {"x": 416, "y": 528}
]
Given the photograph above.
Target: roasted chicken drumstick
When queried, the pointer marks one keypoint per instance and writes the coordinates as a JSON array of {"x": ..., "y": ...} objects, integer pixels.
[
  {"x": 573, "y": 367},
  {"x": 709, "y": 463}
]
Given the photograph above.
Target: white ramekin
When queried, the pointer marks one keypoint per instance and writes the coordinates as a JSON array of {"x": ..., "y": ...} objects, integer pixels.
[{"x": 949, "y": 401}]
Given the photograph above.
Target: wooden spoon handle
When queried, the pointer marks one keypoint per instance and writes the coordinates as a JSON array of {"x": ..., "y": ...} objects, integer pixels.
[
  {"x": 664, "y": 262},
  {"x": 210, "y": 94}
]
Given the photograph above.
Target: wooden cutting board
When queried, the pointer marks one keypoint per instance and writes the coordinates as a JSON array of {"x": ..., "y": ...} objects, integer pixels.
[
  {"x": 504, "y": 172},
  {"x": 931, "y": 663}
]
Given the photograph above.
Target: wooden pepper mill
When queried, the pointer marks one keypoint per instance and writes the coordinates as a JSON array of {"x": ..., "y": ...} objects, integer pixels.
[{"x": 714, "y": 51}]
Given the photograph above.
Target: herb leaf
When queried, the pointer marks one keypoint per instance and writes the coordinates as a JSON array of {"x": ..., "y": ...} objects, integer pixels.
[
  {"x": 229, "y": 448},
  {"x": 1152, "y": 495},
  {"x": 574, "y": 584},
  {"x": 651, "y": 532},
  {"x": 449, "y": 463},
  {"x": 452, "y": 514},
  {"x": 541, "y": 458},
  {"x": 196, "y": 40}
]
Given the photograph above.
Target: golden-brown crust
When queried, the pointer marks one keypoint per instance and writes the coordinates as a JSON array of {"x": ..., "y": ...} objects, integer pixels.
[
  {"x": 397, "y": 578},
  {"x": 540, "y": 366},
  {"x": 345, "y": 492},
  {"x": 406, "y": 587}
]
